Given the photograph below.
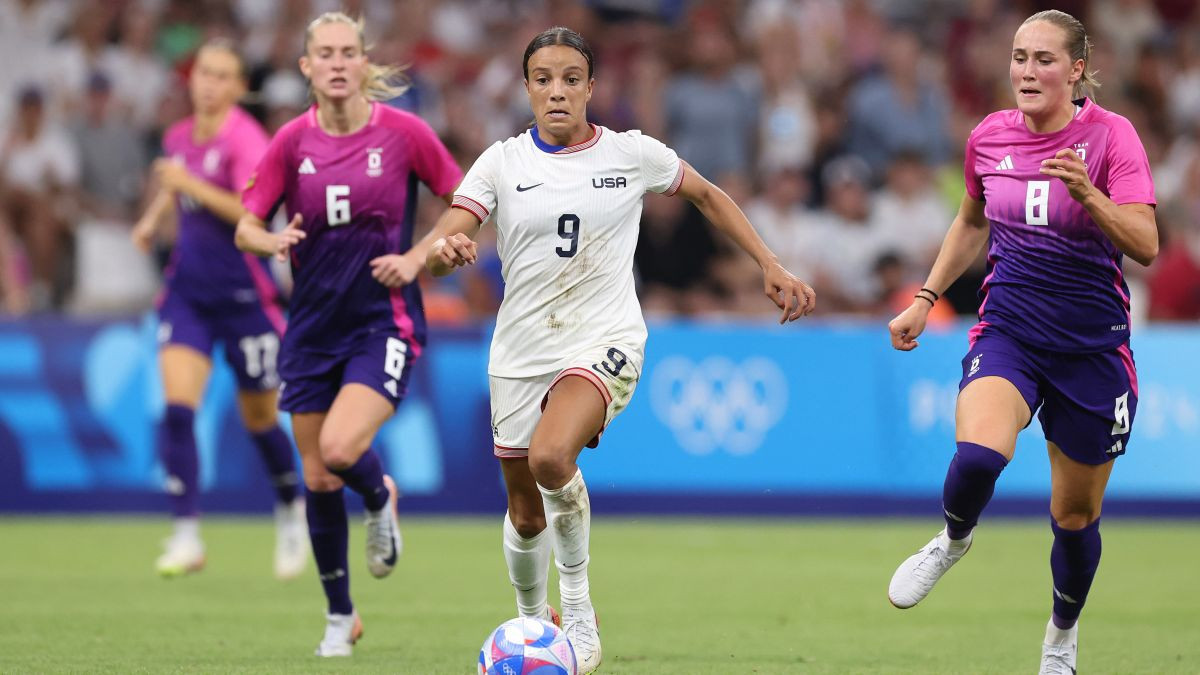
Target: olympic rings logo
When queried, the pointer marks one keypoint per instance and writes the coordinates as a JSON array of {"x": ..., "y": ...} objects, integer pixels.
[{"x": 718, "y": 404}]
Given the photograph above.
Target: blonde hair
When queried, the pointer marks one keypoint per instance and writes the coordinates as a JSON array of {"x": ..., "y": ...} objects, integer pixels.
[
  {"x": 383, "y": 82},
  {"x": 1078, "y": 46}
]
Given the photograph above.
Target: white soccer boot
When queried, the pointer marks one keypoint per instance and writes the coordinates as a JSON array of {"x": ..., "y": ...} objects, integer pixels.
[
  {"x": 582, "y": 628},
  {"x": 291, "y": 540},
  {"x": 384, "y": 544},
  {"x": 916, "y": 576},
  {"x": 184, "y": 555},
  {"x": 341, "y": 632},
  {"x": 1060, "y": 650}
]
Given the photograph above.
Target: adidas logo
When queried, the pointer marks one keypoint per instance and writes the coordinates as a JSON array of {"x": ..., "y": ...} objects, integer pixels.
[
  {"x": 307, "y": 166},
  {"x": 1004, "y": 165}
]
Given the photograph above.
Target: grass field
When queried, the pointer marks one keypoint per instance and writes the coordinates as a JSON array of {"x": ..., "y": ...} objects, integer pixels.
[{"x": 675, "y": 596}]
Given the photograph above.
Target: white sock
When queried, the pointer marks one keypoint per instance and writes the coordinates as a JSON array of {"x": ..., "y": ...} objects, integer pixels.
[
  {"x": 1058, "y": 636},
  {"x": 187, "y": 528},
  {"x": 569, "y": 517},
  {"x": 528, "y": 568}
]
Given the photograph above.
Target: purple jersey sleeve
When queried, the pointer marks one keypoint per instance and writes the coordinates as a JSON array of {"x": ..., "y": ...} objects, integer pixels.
[
  {"x": 1129, "y": 180},
  {"x": 266, "y": 184}
]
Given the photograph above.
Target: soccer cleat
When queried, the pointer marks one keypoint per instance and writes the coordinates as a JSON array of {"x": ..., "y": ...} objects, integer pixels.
[
  {"x": 1059, "y": 650},
  {"x": 383, "y": 535},
  {"x": 916, "y": 576},
  {"x": 342, "y": 631},
  {"x": 184, "y": 555},
  {"x": 291, "y": 540},
  {"x": 582, "y": 628}
]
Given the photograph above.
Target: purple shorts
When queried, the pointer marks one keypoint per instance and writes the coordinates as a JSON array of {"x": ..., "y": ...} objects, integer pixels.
[
  {"x": 249, "y": 334},
  {"x": 1087, "y": 400},
  {"x": 311, "y": 380}
]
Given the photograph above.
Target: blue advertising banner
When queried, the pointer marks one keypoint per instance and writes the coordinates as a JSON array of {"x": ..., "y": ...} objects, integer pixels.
[{"x": 818, "y": 417}]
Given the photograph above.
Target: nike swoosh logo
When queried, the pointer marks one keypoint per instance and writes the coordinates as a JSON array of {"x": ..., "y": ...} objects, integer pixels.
[
  {"x": 522, "y": 189},
  {"x": 391, "y": 559}
]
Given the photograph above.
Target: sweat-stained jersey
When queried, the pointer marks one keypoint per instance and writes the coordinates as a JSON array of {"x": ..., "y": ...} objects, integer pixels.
[
  {"x": 1054, "y": 278},
  {"x": 357, "y": 194},
  {"x": 566, "y": 222},
  {"x": 206, "y": 268}
]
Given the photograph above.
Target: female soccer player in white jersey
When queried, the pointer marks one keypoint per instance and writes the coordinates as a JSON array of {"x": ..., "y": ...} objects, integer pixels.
[
  {"x": 1062, "y": 190},
  {"x": 347, "y": 171},
  {"x": 214, "y": 292},
  {"x": 566, "y": 200}
]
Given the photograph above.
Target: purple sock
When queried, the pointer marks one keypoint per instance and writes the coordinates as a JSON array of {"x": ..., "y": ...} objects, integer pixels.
[
  {"x": 177, "y": 449},
  {"x": 276, "y": 452},
  {"x": 1073, "y": 562},
  {"x": 330, "y": 536},
  {"x": 970, "y": 481},
  {"x": 366, "y": 478}
]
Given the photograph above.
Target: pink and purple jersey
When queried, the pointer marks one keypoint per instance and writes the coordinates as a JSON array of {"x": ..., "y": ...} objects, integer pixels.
[
  {"x": 206, "y": 267},
  {"x": 1054, "y": 278},
  {"x": 357, "y": 194}
]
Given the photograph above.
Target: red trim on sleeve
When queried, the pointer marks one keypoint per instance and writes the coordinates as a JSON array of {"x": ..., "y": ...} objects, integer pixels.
[
  {"x": 467, "y": 204},
  {"x": 675, "y": 184}
]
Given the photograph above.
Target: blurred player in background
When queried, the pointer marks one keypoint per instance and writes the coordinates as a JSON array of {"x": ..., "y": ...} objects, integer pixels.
[
  {"x": 347, "y": 172},
  {"x": 215, "y": 293},
  {"x": 1062, "y": 189},
  {"x": 566, "y": 201}
]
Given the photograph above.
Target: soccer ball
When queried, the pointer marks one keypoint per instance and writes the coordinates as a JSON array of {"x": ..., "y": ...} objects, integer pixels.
[{"x": 525, "y": 646}]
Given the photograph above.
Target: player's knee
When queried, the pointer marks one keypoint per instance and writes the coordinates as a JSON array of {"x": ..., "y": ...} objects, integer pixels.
[
  {"x": 551, "y": 466},
  {"x": 258, "y": 419},
  {"x": 339, "y": 452},
  {"x": 317, "y": 478},
  {"x": 527, "y": 523},
  {"x": 1074, "y": 517}
]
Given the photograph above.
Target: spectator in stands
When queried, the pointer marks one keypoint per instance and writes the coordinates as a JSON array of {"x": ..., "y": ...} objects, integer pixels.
[
  {"x": 849, "y": 244},
  {"x": 712, "y": 112},
  {"x": 901, "y": 108},
  {"x": 909, "y": 215},
  {"x": 112, "y": 157},
  {"x": 38, "y": 165}
]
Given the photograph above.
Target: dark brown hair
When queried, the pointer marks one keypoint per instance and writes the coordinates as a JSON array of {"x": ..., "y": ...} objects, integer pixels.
[{"x": 558, "y": 36}]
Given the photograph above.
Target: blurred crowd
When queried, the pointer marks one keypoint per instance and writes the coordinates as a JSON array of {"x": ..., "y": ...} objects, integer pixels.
[{"x": 838, "y": 126}]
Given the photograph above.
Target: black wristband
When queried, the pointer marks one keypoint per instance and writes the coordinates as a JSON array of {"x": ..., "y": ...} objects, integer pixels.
[
  {"x": 918, "y": 295},
  {"x": 935, "y": 295}
]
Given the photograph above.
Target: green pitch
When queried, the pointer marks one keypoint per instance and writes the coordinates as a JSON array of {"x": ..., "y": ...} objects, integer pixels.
[{"x": 675, "y": 596}]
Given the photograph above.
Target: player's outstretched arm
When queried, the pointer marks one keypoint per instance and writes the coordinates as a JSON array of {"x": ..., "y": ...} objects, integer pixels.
[
  {"x": 252, "y": 236},
  {"x": 146, "y": 227},
  {"x": 966, "y": 236},
  {"x": 1131, "y": 227},
  {"x": 789, "y": 293},
  {"x": 174, "y": 176},
  {"x": 451, "y": 245}
]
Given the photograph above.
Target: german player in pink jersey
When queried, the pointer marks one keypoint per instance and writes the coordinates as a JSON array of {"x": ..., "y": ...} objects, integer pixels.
[
  {"x": 1060, "y": 191},
  {"x": 216, "y": 293},
  {"x": 346, "y": 171}
]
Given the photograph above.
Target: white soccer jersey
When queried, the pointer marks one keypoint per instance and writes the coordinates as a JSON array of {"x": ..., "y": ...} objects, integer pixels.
[{"x": 566, "y": 223}]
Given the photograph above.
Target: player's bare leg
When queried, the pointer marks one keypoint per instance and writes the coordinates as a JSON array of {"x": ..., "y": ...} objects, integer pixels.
[
  {"x": 354, "y": 418},
  {"x": 527, "y": 544},
  {"x": 185, "y": 373},
  {"x": 1076, "y": 495},
  {"x": 990, "y": 413},
  {"x": 574, "y": 414}
]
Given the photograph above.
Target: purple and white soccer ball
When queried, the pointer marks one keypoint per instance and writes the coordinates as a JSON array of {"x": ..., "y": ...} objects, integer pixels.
[{"x": 526, "y": 646}]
